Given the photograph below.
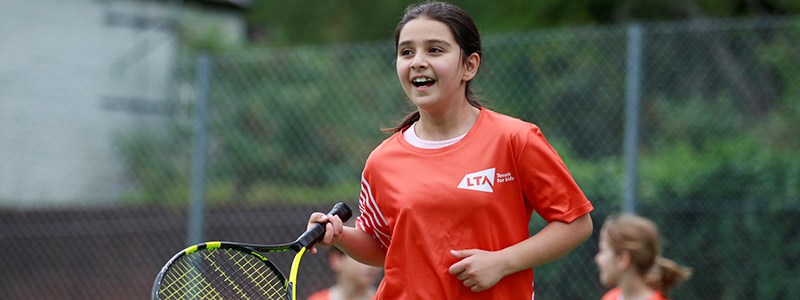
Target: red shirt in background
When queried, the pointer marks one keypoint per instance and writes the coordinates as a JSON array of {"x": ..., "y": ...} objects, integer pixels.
[{"x": 615, "y": 293}]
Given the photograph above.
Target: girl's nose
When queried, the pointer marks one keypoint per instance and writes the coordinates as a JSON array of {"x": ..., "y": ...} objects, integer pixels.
[{"x": 419, "y": 62}]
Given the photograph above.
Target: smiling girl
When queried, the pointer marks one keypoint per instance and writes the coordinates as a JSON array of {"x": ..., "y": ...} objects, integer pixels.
[{"x": 446, "y": 200}]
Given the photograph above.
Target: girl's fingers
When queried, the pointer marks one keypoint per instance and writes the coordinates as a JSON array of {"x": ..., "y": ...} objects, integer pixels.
[{"x": 315, "y": 218}]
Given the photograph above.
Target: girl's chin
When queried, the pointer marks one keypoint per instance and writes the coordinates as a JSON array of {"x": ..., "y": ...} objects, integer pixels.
[
  {"x": 422, "y": 102},
  {"x": 604, "y": 280}
]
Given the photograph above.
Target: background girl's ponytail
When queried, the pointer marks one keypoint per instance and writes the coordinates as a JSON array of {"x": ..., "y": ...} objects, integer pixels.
[{"x": 666, "y": 274}]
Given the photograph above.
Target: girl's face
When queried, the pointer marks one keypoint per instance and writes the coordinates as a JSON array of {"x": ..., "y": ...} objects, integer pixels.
[
  {"x": 356, "y": 273},
  {"x": 608, "y": 262},
  {"x": 429, "y": 65}
]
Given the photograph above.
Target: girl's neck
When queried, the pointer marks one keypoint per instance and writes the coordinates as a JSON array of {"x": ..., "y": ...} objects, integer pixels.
[
  {"x": 447, "y": 124},
  {"x": 634, "y": 288}
]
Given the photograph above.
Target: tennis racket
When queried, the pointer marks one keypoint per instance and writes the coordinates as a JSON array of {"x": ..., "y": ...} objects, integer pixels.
[{"x": 229, "y": 270}]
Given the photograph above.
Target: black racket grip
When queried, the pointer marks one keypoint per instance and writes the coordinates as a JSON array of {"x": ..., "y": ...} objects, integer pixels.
[{"x": 315, "y": 233}]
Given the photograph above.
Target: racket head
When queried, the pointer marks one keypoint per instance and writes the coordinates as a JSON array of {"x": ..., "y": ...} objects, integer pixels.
[
  {"x": 220, "y": 270},
  {"x": 228, "y": 270}
]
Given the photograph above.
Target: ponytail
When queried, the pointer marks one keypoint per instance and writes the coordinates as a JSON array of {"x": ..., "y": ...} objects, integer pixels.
[
  {"x": 666, "y": 274},
  {"x": 407, "y": 121}
]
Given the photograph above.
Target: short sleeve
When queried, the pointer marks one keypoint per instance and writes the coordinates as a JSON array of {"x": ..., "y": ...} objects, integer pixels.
[
  {"x": 371, "y": 220},
  {"x": 547, "y": 184}
]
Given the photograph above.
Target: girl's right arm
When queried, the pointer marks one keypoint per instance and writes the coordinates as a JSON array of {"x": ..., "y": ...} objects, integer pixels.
[
  {"x": 353, "y": 241},
  {"x": 361, "y": 246}
]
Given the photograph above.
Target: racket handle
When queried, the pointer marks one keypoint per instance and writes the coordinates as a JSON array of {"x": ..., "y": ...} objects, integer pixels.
[{"x": 316, "y": 232}]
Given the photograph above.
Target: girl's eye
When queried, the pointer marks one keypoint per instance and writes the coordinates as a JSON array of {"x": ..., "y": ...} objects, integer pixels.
[
  {"x": 436, "y": 50},
  {"x": 404, "y": 52}
]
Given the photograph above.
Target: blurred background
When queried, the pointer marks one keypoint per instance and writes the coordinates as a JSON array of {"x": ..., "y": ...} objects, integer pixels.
[{"x": 130, "y": 129}]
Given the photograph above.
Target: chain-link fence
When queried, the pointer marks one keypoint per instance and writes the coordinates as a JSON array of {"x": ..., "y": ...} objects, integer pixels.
[{"x": 253, "y": 141}]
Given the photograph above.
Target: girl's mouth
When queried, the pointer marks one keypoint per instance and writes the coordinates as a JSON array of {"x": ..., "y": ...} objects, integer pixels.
[{"x": 423, "y": 82}]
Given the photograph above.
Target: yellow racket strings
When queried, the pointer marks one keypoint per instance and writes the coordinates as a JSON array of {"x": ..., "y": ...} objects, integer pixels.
[{"x": 221, "y": 274}]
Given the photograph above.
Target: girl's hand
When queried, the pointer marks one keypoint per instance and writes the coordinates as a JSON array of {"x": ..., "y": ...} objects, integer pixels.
[
  {"x": 478, "y": 269},
  {"x": 333, "y": 228}
]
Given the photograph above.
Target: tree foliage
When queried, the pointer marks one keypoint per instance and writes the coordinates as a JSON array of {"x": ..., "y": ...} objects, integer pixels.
[{"x": 337, "y": 21}]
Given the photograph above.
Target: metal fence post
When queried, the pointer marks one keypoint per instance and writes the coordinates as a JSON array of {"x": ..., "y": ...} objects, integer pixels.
[
  {"x": 633, "y": 78},
  {"x": 198, "y": 176}
]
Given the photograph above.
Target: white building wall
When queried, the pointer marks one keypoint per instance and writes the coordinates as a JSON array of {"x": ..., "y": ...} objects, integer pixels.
[{"x": 60, "y": 63}]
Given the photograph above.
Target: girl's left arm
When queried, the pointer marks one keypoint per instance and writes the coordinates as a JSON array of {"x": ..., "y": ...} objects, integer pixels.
[{"x": 480, "y": 269}]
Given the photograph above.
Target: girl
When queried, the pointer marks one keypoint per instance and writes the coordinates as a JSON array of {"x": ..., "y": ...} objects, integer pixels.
[
  {"x": 629, "y": 259},
  {"x": 446, "y": 200},
  {"x": 354, "y": 280}
]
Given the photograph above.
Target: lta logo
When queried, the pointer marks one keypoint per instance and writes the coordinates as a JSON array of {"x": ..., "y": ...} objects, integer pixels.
[{"x": 482, "y": 181}]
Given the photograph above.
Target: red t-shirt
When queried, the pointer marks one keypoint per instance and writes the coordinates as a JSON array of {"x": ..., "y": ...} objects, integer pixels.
[
  {"x": 615, "y": 293},
  {"x": 321, "y": 295},
  {"x": 478, "y": 193}
]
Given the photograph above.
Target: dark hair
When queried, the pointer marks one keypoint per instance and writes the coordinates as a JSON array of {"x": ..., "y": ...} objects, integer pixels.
[
  {"x": 639, "y": 237},
  {"x": 463, "y": 29}
]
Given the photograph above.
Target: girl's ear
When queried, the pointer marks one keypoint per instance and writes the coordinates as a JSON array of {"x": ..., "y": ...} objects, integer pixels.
[
  {"x": 472, "y": 64},
  {"x": 623, "y": 260}
]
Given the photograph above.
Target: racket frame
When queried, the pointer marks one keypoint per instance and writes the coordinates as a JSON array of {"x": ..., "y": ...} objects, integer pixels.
[{"x": 305, "y": 240}]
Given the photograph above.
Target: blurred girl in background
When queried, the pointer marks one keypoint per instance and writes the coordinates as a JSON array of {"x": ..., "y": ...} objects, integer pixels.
[
  {"x": 354, "y": 280},
  {"x": 629, "y": 260}
]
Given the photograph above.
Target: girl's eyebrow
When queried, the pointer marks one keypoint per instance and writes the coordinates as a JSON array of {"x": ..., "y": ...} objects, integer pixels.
[{"x": 431, "y": 41}]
